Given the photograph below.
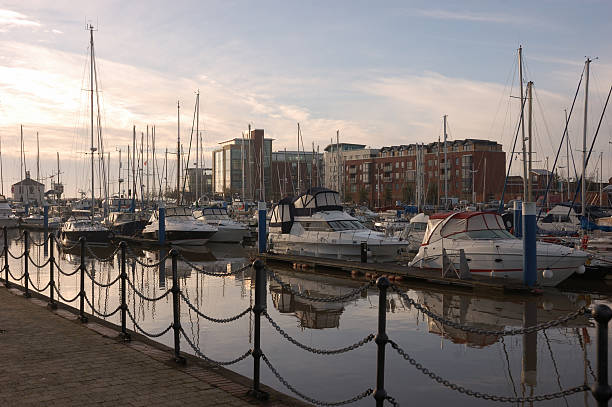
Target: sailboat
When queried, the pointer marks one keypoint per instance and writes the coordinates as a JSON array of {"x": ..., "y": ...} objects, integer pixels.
[{"x": 81, "y": 225}]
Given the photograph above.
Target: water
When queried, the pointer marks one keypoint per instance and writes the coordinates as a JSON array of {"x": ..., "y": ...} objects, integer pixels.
[{"x": 512, "y": 366}]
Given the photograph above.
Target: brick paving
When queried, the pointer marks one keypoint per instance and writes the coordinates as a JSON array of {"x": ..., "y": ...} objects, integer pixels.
[{"x": 51, "y": 359}]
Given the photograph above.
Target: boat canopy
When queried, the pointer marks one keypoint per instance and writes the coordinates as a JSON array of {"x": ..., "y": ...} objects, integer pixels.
[
  {"x": 214, "y": 210},
  {"x": 419, "y": 218},
  {"x": 317, "y": 199},
  {"x": 282, "y": 215},
  {"x": 452, "y": 224}
]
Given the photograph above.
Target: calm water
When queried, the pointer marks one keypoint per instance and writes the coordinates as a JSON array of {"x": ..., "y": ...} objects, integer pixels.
[{"x": 517, "y": 365}]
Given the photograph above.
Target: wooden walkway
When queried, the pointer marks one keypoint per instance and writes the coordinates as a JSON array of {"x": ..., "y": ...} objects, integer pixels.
[
  {"x": 403, "y": 273},
  {"x": 48, "y": 358}
]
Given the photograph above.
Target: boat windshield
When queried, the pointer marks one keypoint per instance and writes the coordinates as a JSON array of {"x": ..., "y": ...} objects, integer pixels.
[
  {"x": 490, "y": 234},
  {"x": 340, "y": 225}
]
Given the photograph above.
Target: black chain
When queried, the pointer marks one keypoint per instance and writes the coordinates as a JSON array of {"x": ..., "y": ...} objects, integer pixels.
[
  {"x": 392, "y": 401},
  {"x": 212, "y": 273},
  {"x": 156, "y": 335},
  {"x": 39, "y": 266},
  {"x": 65, "y": 247},
  {"x": 310, "y": 399},
  {"x": 37, "y": 244},
  {"x": 349, "y": 348},
  {"x": 64, "y": 298},
  {"x": 485, "y": 396},
  {"x": 107, "y": 259},
  {"x": 36, "y": 288},
  {"x": 17, "y": 257},
  {"x": 215, "y": 362},
  {"x": 99, "y": 284},
  {"x": 142, "y": 263},
  {"x": 100, "y": 314},
  {"x": 13, "y": 276},
  {"x": 59, "y": 269},
  {"x": 518, "y": 331},
  {"x": 339, "y": 298},
  {"x": 217, "y": 320},
  {"x": 144, "y": 297}
]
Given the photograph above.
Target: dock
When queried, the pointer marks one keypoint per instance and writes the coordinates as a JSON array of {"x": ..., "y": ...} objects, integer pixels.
[
  {"x": 50, "y": 358},
  {"x": 400, "y": 273}
]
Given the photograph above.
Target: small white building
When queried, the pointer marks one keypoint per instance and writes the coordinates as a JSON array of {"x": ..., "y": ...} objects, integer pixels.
[{"x": 28, "y": 190}]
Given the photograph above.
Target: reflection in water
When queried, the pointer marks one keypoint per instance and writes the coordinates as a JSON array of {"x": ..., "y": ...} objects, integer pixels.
[{"x": 547, "y": 361}]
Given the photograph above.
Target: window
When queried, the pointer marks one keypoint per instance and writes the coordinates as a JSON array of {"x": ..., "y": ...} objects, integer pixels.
[
  {"x": 457, "y": 161},
  {"x": 397, "y": 164},
  {"x": 402, "y": 164}
]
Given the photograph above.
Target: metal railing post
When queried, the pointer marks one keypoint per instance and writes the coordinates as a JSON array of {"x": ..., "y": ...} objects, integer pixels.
[
  {"x": 124, "y": 333},
  {"x": 601, "y": 389},
  {"x": 82, "y": 316},
  {"x": 52, "y": 303},
  {"x": 6, "y": 264},
  {"x": 26, "y": 262},
  {"x": 380, "y": 394},
  {"x": 176, "y": 310},
  {"x": 260, "y": 306}
]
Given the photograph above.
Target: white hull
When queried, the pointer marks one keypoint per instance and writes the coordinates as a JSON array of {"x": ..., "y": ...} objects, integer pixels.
[{"x": 229, "y": 235}]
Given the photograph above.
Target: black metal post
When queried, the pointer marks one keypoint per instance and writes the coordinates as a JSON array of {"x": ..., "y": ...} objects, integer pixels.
[
  {"x": 6, "y": 264},
  {"x": 26, "y": 262},
  {"x": 601, "y": 389},
  {"x": 52, "y": 303},
  {"x": 82, "y": 316},
  {"x": 364, "y": 252},
  {"x": 380, "y": 394},
  {"x": 260, "y": 306},
  {"x": 124, "y": 333},
  {"x": 176, "y": 310}
]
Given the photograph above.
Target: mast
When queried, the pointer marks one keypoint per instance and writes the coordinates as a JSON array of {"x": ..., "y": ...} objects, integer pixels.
[
  {"x": 251, "y": 165},
  {"x": 154, "y": 159},
  {"x": 522, "y": 120},
  {"x": 567, "y": 155},
  {"x": 1, "y": 172},
  {"x": 119, "y": 179},
  {"x": 242, "y": 194},
  {"x": 445, "y": 166},
  {"x": 338, "y": 164},
  {"x": 439, "y": 166},
  {"x": 37, "y": 159},
  {"x": 197, "y": 163},
  {"x": 166, "y": 172},
  {"x": 584, "y": 138},
  {"x": 129, "y": 194},
  {"x": 285, "y": 176},
  {"x": 147, "y": 164},
  {"x": 601, "y": 179},
  {"x": 92, "y": 148},
  {"x": 530, "y": 136},
  {"x": 133, "y": 167},
  {"x": 178, "y": 153},
  {"x": 298, "y": 160}
]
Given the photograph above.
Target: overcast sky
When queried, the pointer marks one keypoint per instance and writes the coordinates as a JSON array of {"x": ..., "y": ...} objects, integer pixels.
[{"x": 382, "y": 73}]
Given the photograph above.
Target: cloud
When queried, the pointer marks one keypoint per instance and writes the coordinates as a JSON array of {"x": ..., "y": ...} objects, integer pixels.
[
  {"x": 467, "y": 16},
  {"x": 10, "y": 19}
]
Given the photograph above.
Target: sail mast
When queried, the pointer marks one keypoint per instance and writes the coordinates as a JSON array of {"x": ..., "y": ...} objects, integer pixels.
[
  {"x": 525, "y": 175},
  {"x": 178, "y": 153},
  {"x": 299, "y": 180},
  {"x": 91, "y": 101},
  {"x": 1, "y": 172},
  {"x": 584, "y": 138},
  {"x": 197, "y": 163},
  {"x": 530, "y": 136}
]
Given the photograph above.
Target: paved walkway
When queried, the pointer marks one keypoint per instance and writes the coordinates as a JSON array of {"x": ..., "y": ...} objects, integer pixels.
[{"x": 50, "y": 359}]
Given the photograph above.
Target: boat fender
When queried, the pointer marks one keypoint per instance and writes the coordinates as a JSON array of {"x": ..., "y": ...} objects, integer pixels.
[
  {"x": 547, "y": 273},
  {"x": 581, "y": 269}
]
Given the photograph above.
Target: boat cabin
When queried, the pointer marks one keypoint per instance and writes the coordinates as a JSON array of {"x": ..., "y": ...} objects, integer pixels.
[{"x": 466, "y": 225}]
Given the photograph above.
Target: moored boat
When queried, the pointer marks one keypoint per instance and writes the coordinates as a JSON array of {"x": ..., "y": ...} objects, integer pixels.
[{"x": 182, "y": 228}]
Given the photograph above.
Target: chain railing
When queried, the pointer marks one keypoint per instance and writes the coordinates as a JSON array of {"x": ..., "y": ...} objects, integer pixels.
[{"x": 601, "y": 314}]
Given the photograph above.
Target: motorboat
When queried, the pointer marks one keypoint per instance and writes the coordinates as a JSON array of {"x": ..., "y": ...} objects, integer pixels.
[
  {"x": 7, "y": 218},
  {"x": 314, "y": 224},
  {"x": 561, "y": 219},
  {"x": 81, "y": 224},
  {"x": 229, "y": 230},
  {"x": 489, "y": 248},
  {"x": 126, "y": 223},
  {"x": 36, "y": 220},
  {"x": 414, "y": 232},
  {"x": 181, "y": 227}
]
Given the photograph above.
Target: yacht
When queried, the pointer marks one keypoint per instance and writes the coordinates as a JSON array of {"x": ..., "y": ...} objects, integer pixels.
[
  {"x": 37, "y": 221},
  {"x": 7, "y": 218},
  {"x": 491, "y": 249},
  {"x": 414, "y": 232},
  {"x": 126, "y": 223},
  {"x": 314, "y": 224},
  {"x": 229, "y": 230},
  {"x": 81, "y": 224},
  {"x": 561, "y": 219},
  {"x": 181, "y": 228}
]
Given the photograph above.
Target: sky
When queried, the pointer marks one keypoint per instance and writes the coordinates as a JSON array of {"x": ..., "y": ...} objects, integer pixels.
[{"x": 382, "y": 73}]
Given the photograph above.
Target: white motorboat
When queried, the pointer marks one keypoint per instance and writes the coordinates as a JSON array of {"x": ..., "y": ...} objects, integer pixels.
[
  {"x": 80, "y": 225},
  {"x": 414, "y": 232},
  {"x": 490, "y": 249},
  {"x": 37, "y": 221},
  {"x": 182, "y": 228},
  {"x": 314, "y": 224},
  {"x": 561, "y": 219},
  {"x": 7, "y": 218},
  {"x": 229, "y": 230}
]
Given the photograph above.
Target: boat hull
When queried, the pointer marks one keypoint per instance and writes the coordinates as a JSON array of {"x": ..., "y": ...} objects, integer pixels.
[
  {"x": 229, "y": 235},
  {"x": 94, "y": 237},
  {"x": 182, "y": 238},
  {"x": 9, "y": 223}
]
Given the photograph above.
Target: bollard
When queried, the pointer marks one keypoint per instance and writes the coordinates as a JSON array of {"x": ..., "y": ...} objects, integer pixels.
[
  {"x": 530, "y": 261},
  {"x": 380, "y": 394},
  {"x": 46, "y": 217},
  {"x": 26, "y": 262},
  {"x": 261, "y": 226},
  {"x": 51, "y": 303},
  {"x": 124, "y": 333},
  {"x": 161, "y": 232},
  {"x": 364, "y": 252},
  {"x": 176, "y": 325},
  {"x": 260, "y": 306},
  {"x": 6, "y": 264},
  {"x": 518, "y": 219},
  {"x": 601, "y": 389},
  {"x": 82, "y": 316}
]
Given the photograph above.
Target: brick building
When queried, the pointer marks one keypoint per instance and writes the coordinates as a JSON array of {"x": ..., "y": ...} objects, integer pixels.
[
  {"x": 285, "y": 177},
  {"x": 475, "y": 172}
]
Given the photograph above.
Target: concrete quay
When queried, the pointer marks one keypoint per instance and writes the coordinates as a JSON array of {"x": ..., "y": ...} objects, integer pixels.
[{"x": 49, "y": 358}]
